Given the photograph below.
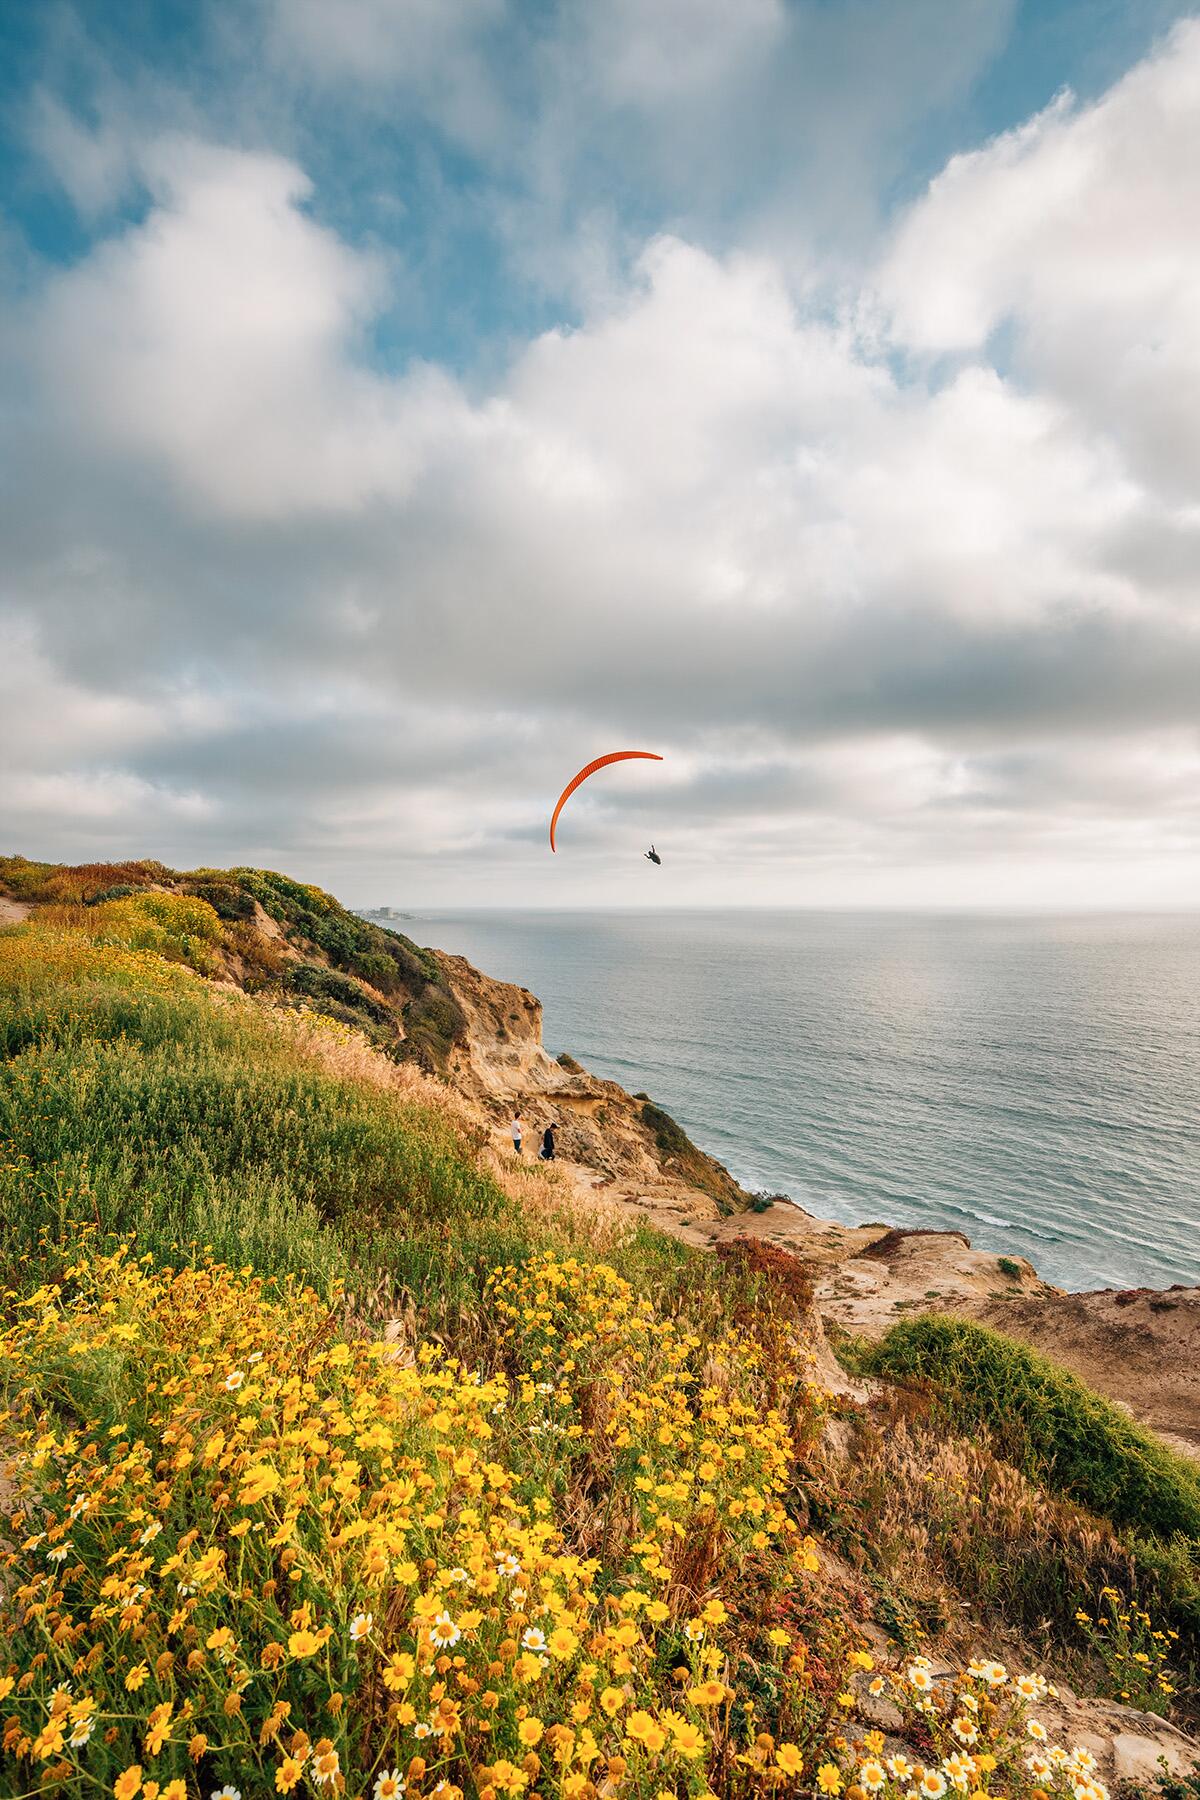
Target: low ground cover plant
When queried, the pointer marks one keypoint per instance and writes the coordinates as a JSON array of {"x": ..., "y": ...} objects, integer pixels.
[
  {"x": 1050, "y": 1424},
  {"x": 247, "y": 1547}
]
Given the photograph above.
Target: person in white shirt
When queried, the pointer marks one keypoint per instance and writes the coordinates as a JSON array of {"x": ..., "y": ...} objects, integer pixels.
[{"x": 518, "y": 1132}]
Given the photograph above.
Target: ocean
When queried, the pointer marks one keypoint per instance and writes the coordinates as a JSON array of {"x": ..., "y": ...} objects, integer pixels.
[{"x": 1033, "y": 1081}]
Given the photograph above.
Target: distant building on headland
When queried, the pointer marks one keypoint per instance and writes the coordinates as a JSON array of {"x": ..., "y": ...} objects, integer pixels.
[{"x": 380, "y": 915}]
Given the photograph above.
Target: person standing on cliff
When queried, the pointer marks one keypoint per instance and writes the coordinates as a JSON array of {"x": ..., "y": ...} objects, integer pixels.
[
  {"x": 547, "y": 1150},
  {"x": 518, "y": 1132}
]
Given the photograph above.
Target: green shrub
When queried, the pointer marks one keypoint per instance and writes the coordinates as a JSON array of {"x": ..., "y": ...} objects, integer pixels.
[
  {"x": 121, "y": 891},
  {"x": 387, "y": 959},
  {"x": 322, "y": 986},
  {"x": 391, "y": 963},
  {"x": 1048, "y": 1424},
  {"x": 1008, "y": 1267},
  {"x": 135, "y": 1097},
  {"x": 195, "y": 1121},
  {"x": 433, "y": 1023},
  {"x": 675, "y": 1147},
  {"x": 227, "y": 899}
]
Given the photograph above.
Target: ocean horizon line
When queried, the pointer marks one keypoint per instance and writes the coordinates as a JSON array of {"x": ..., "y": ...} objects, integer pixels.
[{"x": 1014, "y": 911}]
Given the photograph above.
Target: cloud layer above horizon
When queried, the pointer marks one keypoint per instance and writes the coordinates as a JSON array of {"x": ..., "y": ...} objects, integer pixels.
[{"x": 405, "y": 404}]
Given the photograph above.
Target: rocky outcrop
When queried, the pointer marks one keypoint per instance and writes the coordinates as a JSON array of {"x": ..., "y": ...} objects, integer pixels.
[{"x": 502, "y": 1065}]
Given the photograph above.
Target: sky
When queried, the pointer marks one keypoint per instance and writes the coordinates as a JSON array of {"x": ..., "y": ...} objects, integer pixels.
[{"x": 405, "y": 401}]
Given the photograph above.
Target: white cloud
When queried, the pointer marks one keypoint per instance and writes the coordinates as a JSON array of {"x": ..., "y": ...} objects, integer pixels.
[
  {"x": 87, "y": 797},
  {"x": 646, "y": 51},
  {"x": 790, "y": 117},
  {"x": 1079, "y": 232},
  {"x": 93, "y": 164},
  {"x": 886, "y": 599},
  {"x": 429, "y": 56},
  {"x": 381, "y": 40},
  {"x": 218, "y": 338}
]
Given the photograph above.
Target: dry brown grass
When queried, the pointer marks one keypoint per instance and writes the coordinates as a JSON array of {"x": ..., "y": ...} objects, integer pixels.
[
  {"x": 543, "y": 1193},
  {"x": 956, "y": 1538}
]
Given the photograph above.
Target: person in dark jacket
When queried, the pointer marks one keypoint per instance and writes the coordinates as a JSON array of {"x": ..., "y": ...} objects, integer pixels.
[{"x": 547, "y": 1150}]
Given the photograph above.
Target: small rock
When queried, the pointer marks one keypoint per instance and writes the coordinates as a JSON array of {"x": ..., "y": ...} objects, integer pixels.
[
  {"x": 883, "y": 1713},
  {"x": 837, "y": 1437},
  {"x": 1137, "y": 1758}
]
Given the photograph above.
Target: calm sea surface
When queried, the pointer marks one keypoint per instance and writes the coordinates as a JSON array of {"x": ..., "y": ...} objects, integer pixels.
[{"x": 1032, "y": 1081}]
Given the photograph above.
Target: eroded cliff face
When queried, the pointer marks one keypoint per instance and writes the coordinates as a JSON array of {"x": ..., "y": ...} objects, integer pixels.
[{"x": 501, "y": 1064}]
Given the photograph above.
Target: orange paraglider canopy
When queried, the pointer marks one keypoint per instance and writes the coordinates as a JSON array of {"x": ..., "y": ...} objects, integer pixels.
[{"x": 601, "y": 762}]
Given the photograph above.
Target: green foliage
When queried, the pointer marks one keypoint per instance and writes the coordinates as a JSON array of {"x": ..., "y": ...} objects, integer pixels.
[
  {"x": 385, "y": 958},
  {"x": 1008, "y": 1267},
  {"x": 397, "y": 968},
  {"x": 1177, "y": 1787},
  {"x": 341, "y": 997},
  {"x": 120, "y": 892},
  {"x": 1047, "y": 1423},
  {"x": 186, "y": 1120},
  {"x": 135, "y": 1098},
  {"x": 1133, "y": 1650},
  {"x": 227, "y": 899},
  {"x": 432, "y": 1024}
]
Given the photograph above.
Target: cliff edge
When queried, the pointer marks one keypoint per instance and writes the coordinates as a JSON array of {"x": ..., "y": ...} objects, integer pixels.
[{"x": 290, "y": 943}]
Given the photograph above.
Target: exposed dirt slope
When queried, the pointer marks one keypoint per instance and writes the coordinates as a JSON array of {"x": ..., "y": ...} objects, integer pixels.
[{"x": 1141, "y": 1347}]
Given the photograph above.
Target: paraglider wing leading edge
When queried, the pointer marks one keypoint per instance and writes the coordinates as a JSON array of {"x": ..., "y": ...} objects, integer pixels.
[{"x": 601, "y": 762}]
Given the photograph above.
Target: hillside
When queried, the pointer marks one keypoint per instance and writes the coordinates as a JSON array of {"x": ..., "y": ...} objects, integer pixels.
[
  {"x": 292, "y": 943},
  {"x": 344, "y": 1454}
]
